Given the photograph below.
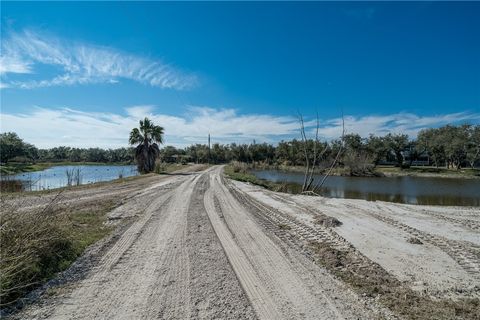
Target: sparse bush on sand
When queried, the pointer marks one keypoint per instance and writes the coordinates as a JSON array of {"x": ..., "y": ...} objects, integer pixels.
[
  {"x": 239, "y": 167},
  {"x": 33, "y": 246},
  {"x": 37, "y": 244}
]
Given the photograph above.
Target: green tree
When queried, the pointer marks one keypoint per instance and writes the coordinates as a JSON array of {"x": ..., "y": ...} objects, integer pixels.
[
  {"x": 147, "y": 149},
  {"x": 60, "y": 153},
  {"x": 473, "y": 146},
  {"x": 397, "y": 144},
  {"x": 171, "y": 154},
  {"x": 414, "y": 152},
  {"x": 377, "y": 148},
  {"x": 353, "y": 142},
  {"x": 31, "y": 152},
  {"x": 75, "y": 155},
  {"x": 96, "y": 155},
  {"x": 430, "y": 141},
  {"x": 455, "y": 140},
  {"x": 11, "y": 146}
]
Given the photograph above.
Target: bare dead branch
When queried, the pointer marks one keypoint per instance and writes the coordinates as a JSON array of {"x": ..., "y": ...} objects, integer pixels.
[
  {"x": 319, "y": 185},
  {"x": 315, "y": 156},
  {"x": 304, "y": 140}
]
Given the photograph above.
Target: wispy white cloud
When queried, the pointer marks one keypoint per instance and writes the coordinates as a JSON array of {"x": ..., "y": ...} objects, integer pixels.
[
  {"x": 53, "y": 127},
  {"x": 83, "y": 63},
  {"x": 406, "y": 123},
  {"x": 13, "y": 64}
]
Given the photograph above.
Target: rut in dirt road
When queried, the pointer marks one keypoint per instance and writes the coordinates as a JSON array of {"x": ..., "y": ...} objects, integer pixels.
[
  {"x": 167, "y": 265},
  {"x": 197, "y": 252},
  {"x": 279, "y": 281}
]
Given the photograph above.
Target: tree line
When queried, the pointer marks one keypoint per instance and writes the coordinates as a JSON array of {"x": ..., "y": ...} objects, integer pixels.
[
  {"x": 12, "y": 147},
  {"x": 448, "y": 146}
]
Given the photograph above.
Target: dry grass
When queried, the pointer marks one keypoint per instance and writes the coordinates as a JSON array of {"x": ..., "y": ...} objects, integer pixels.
[
  {"x": 370, "y": 279},
  {"x": 239, "y": 167},
  {"x": 30, "y": 244},
  {"x": 239, "y": 171},
  {"x": 37, "y": 244},
  {"x": 165, "y": 168}
]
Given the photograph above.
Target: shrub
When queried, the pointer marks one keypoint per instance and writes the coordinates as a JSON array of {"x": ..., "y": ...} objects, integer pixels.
[
  {"x": 239, "y": 167},
  {"x": 160, "y": 167},
  {"x": 34, "y": 246}
]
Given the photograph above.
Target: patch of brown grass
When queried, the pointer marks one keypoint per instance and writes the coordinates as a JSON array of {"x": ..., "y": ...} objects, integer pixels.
[
  {"x": 239, "y": 167},
  {"x": 370, "y": 279},
  {"x": 37, "y": 244}
]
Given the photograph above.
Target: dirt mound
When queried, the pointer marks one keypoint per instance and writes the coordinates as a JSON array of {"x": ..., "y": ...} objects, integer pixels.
[
  {"x": 329, "y": 222},
  {"x": 414, "y": 240}
]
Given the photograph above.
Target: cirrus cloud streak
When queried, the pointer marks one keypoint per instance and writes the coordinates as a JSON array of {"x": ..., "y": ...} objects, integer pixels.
[{"x": 81, "y": 63}]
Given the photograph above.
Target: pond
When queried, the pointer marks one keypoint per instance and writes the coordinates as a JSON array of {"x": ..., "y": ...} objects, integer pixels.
[
  {"x": 61, "y": 176},
  {"x": 413, "y": 190}
]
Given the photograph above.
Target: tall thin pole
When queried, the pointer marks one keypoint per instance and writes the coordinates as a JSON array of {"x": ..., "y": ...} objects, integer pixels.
[{"x": 209, "y": 148}]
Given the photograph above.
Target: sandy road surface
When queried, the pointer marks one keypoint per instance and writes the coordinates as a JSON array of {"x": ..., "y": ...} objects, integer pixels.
[
  {"x": 280, "y": 282},
  {"x": 197, "y": 251},
  {"x": 445, "y": 264}
]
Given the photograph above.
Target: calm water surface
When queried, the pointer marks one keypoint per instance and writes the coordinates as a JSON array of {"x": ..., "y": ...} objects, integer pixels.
[
  {"x": 413, "y": 190},
  {"x": 56, "y": 177}
]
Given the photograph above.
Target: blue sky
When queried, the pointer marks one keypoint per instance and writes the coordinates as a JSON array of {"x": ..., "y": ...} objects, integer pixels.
[{"x": 83, "y": 73}]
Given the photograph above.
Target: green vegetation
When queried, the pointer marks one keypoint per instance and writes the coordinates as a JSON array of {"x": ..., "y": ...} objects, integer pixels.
[
  {"x": 11, "y": 146},
  {"x": 15, "y": 149},
  {"x": 12, "y": 168},
  {"x": 19, "y": 156},
  {"x": 428, "y": 171},
  {"x": 166, "y": 168},
  {"x": 36, "y": 245},
  {"x": 450, "y": 147},
  {"x": 147, "y": 149},
  {"x": 238, "y": 171}
]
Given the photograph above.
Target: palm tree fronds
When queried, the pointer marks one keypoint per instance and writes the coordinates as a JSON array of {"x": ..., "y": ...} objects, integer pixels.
[
  {"x": 147, "y": 150},
  {"x": 135, "y": 136}
]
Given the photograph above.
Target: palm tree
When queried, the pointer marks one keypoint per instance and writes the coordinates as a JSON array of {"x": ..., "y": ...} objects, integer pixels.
[{"x": 147, "y": 150}]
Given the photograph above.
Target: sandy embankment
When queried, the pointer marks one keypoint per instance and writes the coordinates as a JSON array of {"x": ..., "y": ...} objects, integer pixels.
[{"x": 447, "y": 263}]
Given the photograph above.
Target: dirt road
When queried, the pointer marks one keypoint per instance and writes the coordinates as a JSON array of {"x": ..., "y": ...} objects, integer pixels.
[
  {"x": 444, "y": 263},
  {"x": 203, "y": 247},
  {"x": 196, "y": 252}
]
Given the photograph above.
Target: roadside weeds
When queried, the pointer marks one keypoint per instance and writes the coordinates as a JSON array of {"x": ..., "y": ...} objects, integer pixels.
[
  {"x": 37, "y": 244},
  {"x": 373, "y": 281},
  {"x": 239, "y": 172}
]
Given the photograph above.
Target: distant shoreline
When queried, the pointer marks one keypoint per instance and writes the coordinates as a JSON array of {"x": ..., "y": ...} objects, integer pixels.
[
  {"x": 381, "y": 171},
  {"x": 15, "y": 168},
  {"x": 389, "y": 171}
]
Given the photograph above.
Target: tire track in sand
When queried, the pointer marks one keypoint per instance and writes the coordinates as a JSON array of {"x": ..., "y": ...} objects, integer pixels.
[
  {"x": 155, "y": 270},
  {"x": 279, "y": 283}
]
